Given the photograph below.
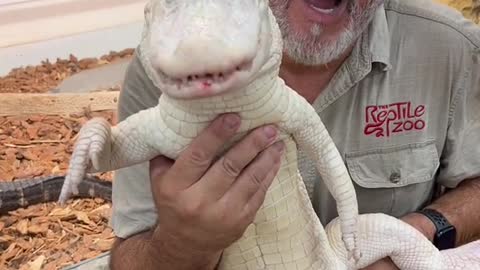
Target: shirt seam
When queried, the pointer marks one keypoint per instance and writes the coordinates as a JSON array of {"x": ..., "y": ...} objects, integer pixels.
[
  {"x": 473, "y": 42},
  {"x": 459, "y": 92},
  {"x": 391, "y": 149}
]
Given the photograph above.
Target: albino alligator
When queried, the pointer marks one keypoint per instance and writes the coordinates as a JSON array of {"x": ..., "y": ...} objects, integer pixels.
[{"x": 214, "y": 56}]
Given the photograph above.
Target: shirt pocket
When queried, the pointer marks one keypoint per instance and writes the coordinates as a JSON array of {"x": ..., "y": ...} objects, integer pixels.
[{"x": 396, "y": 179}]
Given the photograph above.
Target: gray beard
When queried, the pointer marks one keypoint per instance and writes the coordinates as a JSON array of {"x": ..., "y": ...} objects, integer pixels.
[{"x": 310, "y": 49}]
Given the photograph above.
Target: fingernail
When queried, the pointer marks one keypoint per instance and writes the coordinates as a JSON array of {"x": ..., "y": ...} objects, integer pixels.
[
  {"x": 269, "y": 131},
  {"x": 231, "y": 121},
  {"x": 279, "y": 146}
]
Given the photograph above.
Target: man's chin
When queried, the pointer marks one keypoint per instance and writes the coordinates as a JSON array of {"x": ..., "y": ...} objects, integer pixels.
[
  {"x": 310, "y": 43},
  {"x": 318, "y": 45},
  {"x": 317, "y": 53}
]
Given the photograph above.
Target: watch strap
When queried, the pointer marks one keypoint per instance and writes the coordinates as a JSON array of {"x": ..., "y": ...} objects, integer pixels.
[{"x": 442, "y": 227}]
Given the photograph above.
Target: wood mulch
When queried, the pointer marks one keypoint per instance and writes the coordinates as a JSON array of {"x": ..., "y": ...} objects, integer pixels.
[
  {"x": 40, "y": 145},
  {"x": 47, "y": 236},
  {"x": 46, "y": 76}
]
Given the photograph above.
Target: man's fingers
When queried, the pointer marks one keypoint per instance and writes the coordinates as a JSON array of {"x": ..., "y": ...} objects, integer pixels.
[
  {"x": 198, "y": 156},
  {"x": 250, "y": 209},
  {"x": 159, "y": 165},
  {"x": 158, "y": 168},
  {"x": 383, "y": 264},
  {"x": 255, "y": 180},
  {"x": 227, "y": 169}
]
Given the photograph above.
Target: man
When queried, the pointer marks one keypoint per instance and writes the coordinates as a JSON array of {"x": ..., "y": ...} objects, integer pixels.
[{"x": 397, "y": 84}]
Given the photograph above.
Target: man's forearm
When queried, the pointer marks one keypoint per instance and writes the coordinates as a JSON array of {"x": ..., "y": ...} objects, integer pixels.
[
  {"x": 146, "y": 251},
  {"x": 461, "y": 207}
]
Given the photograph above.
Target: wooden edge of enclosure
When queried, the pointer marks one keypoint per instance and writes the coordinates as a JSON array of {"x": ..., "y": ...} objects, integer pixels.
[{"x": 15, "y": 104}]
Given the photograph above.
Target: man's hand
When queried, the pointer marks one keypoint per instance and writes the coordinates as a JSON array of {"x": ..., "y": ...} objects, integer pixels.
[
  {"x": 204, "y": 206},
  {"x": 419, "y": 222},
  {"x": 384, "y": 264}
]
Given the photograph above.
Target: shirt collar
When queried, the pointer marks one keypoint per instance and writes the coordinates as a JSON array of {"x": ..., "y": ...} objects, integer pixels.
[
  {"x": 371, "y": 50},
  {"x": 379, "y": 39}
]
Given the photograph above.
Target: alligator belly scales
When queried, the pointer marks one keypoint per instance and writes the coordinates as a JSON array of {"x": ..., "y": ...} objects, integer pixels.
[{"x": 241, "y": 76}]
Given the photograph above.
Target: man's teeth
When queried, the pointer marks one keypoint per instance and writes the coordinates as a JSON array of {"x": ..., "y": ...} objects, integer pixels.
[{"x": 327, "y": 11}]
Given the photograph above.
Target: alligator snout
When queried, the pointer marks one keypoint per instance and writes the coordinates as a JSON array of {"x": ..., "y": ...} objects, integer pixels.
[
  {"x": 205, "y": 38},
  {"x": 200, "y": 57}
]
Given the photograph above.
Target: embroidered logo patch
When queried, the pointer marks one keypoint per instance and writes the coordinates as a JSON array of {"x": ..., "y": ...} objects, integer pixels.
[{"x": 391, "y": 119}]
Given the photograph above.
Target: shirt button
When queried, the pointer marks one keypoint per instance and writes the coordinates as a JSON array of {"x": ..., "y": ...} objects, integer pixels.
[{"x": 395, "y": 177}]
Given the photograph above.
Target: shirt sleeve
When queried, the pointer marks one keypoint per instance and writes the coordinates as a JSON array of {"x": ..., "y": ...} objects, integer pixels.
[
  {"x": 461, "y": 156},
  {"x": 133, "y": 209}
]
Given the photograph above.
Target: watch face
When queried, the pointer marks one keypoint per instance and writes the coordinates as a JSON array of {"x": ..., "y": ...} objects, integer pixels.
[{"x": 446, "y": 238}]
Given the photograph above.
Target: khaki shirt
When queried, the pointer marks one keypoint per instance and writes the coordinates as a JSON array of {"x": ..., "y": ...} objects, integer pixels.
[{"x": 404, "y": 111}]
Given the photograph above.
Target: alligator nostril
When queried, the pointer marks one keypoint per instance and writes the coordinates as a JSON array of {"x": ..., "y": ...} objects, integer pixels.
[
  {"x": 238, "y": 68},
  {"x": 209, "y": 75},
  {"x": 189, "y": 77},
  {"x": 220, "y": 74}
]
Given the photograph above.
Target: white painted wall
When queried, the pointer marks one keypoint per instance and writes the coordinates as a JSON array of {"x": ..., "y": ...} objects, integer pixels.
[
  {"x": 89, "y": 44},
  {"x": 11, "y": 2},
  {"x": 35, "y": 30}
]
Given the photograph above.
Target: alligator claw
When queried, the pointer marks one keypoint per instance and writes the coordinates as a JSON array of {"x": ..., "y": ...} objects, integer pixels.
[
  {"x": 353, "y": 251},
  {"x": 87, "y": 155}
]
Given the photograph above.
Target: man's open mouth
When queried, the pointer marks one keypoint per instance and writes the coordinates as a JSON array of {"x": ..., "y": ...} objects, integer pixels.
[{"x": 326, "y": 6}]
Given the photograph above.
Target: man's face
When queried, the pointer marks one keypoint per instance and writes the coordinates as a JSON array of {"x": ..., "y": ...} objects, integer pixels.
[{"x": 318, "y": 31}]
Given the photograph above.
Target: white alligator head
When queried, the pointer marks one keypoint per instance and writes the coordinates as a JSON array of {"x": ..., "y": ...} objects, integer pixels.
[{"x": 201, "y": 48}]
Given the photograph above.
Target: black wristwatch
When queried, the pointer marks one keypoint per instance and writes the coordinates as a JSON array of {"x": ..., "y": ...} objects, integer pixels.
[{"x": 446, "y": 233}]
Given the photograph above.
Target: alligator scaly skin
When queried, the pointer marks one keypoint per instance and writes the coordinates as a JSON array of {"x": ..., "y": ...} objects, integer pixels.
[{"x": 26, "y": 192}]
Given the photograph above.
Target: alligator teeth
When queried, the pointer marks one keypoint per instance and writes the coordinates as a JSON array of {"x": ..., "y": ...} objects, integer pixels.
[{"x": 208, "y": 77}]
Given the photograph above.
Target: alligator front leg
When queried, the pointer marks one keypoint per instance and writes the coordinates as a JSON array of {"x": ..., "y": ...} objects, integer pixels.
[
  {"x": 102, "y": 148},
  {"x": 310, "y": 134}
]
